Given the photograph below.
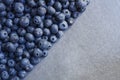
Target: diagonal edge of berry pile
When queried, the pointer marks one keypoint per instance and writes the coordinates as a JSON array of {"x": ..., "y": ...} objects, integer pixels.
[{"x": 29, "y": 28}]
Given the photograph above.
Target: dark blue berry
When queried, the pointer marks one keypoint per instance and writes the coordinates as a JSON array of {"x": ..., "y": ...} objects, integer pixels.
[
  {"x": 24, "y": 62},
  {"x": 58, "y": 6},
  {"x": 48, "y": 22},
  {"x": 11, "y": 63},
  {"x": 10, "y": 15},
  {"x": 37, "y": 53},
  {"x": 46, "y": 31},
  {"x": 53, "y": 38},
  {"x": 12, "y": 72},
  {"x": 2, "y": 67},
  {"x": 34, "y": 60},
  {"x": 8, "y": 2},
  {"x": 14, "y": 37},
  {"x": 24, "y": 21},
  {"x": 37, "y": 20},
  {"x": 2, "y": 7},
  {"x": 63, "y": 25},
  {"x": 29, "y": 37},
  {"x": 5, "y": 75},
  {"x": 54, "y": 28},
  {"x": 59, "y": 34},
  {"x": 38, "y": 32},
  {"x": 22, "y": 74},
  {"x": 10, "y": 47},
  {"x": 18, "y": 7},
  {"x": 3, "y": 34},
  {"x": 1, "y": 56},
  {"x": 41, "y": 11},
  {"x": 51, "y": 10},
  {"x": 19, "y": 51}
]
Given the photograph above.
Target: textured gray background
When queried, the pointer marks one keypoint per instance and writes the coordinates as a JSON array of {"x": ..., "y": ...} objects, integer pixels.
[{"x": 90, "y": 50}]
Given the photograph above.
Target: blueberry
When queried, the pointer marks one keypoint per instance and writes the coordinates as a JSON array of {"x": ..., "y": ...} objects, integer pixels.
[
  {"x": 54, "y": 28},
  {"x": 3, "y": 34},
  {"x": 24, "y": 62},
  {"x": 3, "y": 61},
  {"x": 19, "y": 15},
  {"x": 50, "y": 2},
  {"x": 59, "y": 34},
  {"x": 45, "y": 53},
  {"x": 18, "y": 7},
  {"x": 2, "y": 67},
  {"x": 29, "y": 67},
  {"x": 2, "y": 7},
  {"x": 44, "y": 37},
  {"x": 21, "y": 31},
  {"x": 16, "y": 20},
  {"x": 12, "y": 72},
  {"x": 2, "y": 56},
  {"x": 2, "y": 20},
  {"x": 29, "y": 37},
  {"x": 48, "y": 22},
  {"x": 63, "y": 25},
  {"x": 37, "y": 52},
  {"x": 10, "y": 15},
  {"x": 43, "y": 44},
  {"x": 38, "y": 32},
  {"x": 18, "y": 67},
  {"x": 27, "y": 9},
  {"x": 51, "y": 10},
  {"x": 82, "y": 3},
  {"x": 9, "y": 23},
  {"x": 41, "y": 11},
  {"x": 24, "y": 21},
  {"x": 58, "y": 6},
  {"x": 37, "y": 20},
  {"x": 10, "y": 47},
  {"x": 22, "y": 40},
  {"x": 26, "y": 54},
  {"x": 11, "y": 55},
  {"x": 11, "y": 63},
  {"x": 30, "y": 29},
  {"x": 19, "y": 51},
  {"x": 31, "y": 3},
  {"x": 7, "y": 29},
  {"x": 22, "y": 74},
  {"x": 30, "y": 45},
  {"x": 18, "y": 58},
  {"x": 28, "y": 15},
  {"x": 8, "y": 2},
  {"x": 65, "y": 4},
  {"x": 5, "y": 75},
  {"x": 70, "y": 21},
  {"x": 72, "y": 7},
  {"x": 46, "y": 31},
  {"x": 42, "y": 3},
  {"x": 15, "y": 78},
  {"x": 67, "y": 13},
  {"x": 75, "y": 14},
  {"x": 3, "y": 14},
  {"x": 34, "y": 60},
  {"x": 14, "y": 37},
  {"x": 53, "y": 38},
  {"x": 60, "y": 17}
]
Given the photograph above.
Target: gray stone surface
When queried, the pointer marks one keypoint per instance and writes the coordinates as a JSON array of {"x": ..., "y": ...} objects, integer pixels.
[{"x": 90, "y": 50}]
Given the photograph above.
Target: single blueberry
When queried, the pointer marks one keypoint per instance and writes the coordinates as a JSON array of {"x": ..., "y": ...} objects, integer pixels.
[
  {"x": 5, "y": 75},
  {"x": 18, "y": 7},
  {"x": 63, "y": 25}
]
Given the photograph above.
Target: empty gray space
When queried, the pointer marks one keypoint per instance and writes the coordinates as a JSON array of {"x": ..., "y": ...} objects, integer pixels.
[{"x": 90, "y": 50}]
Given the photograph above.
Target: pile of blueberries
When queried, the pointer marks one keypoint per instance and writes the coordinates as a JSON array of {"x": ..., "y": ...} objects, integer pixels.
[{"x": 29, "y": 28}]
